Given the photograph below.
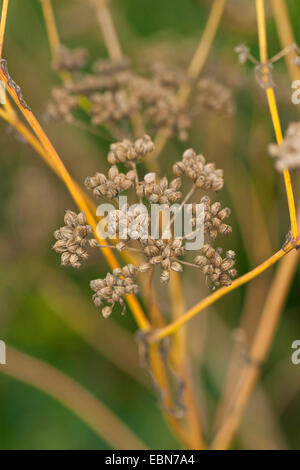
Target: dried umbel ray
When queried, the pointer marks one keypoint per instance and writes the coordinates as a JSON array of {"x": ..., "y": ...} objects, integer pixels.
[
  {"x": 134, "y": 221},
  {"x": 114, "y": 93}
]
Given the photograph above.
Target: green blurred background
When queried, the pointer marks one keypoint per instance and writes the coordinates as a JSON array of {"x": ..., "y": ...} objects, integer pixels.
[{"x": 46, "y": 311}]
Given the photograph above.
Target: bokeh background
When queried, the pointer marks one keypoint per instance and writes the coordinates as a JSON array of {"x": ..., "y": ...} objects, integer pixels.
[{"x": 46, "y": 311}]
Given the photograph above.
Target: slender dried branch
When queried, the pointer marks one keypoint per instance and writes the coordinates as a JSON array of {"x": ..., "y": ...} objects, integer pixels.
[
  {"x": 50, "y": 22},
  {"x": 3, "y": 24},
  {"x": 286, "y": 35},
  {"x": 195, "y": 67},
  {"x": 108, "y": 29},
  {"x": 73, "y": 396},
  {"x": 172, "y": 327},
  {"x": 261, "y": 344}
]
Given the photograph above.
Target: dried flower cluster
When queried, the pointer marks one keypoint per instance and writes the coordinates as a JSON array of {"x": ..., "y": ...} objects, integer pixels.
[
  {"x": 131, "y": 223},
  {"x": 112, "y": 186},
  {"x": 287, "y": 154},
  {"x": 73, "y": 238},
  {"x": 160, "y": 192},
  {"x": 116, "y": 93},
  {"x": 204, "y": 175},
  {"x": 164, "y": 253},
  {"x": 114, "y": 288},
  {"x": 110, "y": 107},
  {"x": 62, "y": 105},
  {"x": 218, "y": 271},
  {"x": 214, "y": 96},
  {"x": 70, "y": 60},
  {"x": 130, "y": 152},
  {"x": 214, "y": 217}
]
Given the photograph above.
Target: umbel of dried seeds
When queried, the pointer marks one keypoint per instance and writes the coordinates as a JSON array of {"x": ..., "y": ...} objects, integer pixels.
[
  {"x": 73, "y": 238},
  {"x": 62, "y": 105},
  {"x": 71, "y": 60},
  {"x": 110, "y": 67},
  {"x": 160, "y": 192},
  {"x": 214, "y": 216},
  {"x": 112, "y": 106},
  {"x": 162, "y": 106},
  {"x": 165, "y": 253},
  {"x": 217, "y": 270},
  {"x": 213, "y": 96},
  {"x": 130, "y": 152},
  {"x": 112, "y": 186},
  {"x": 204, "y": 175},
  {"x": 114, "y": 288},
  {"x": 129, "y": 223},
  {"x": 287, "y": 154}
]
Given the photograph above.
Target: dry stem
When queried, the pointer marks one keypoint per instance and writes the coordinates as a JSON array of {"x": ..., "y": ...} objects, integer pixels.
[
  {"x": 73, "y": 396},
  {"x": 195, "y": 67},
  {"x": 108, "y": 29},
  {"x": 259, "y": 349},
  {"x": 3, "y": 24},
  {"x": 172, "y": 327},
  {"x": 52, "y": 32}
]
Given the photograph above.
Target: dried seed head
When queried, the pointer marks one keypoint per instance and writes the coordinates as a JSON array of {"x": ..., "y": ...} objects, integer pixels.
[
  {"x": 62, "y": 105},
  {"x": 73, "y": 238},
  {"x": 162, "y": 106},
  {"x": 204, "y": 175},
  {"x": 130, "y": 152},
  {"x": 213, "y": 218},
  {"x": 112, "y": 186},
  {"x": 71, "y": 60},
  {"x": 218, "y": 271},
  {"x": 214, "y": 96},
  {"x": 164, "y": 252},
  {"x": 112, "y": 106},
  {"x": 114, "y": 288},
  {"x": 161, "y": 192}
]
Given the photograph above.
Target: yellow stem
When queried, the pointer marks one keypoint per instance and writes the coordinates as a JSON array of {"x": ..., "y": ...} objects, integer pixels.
[
  {"x": 52, "y": 32},
  {"x": 262, "y": 36},
  {"x": 3, "y": 24},
  {"x": 107, "y": 26},
  {"x": 172, "y": 327}
]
